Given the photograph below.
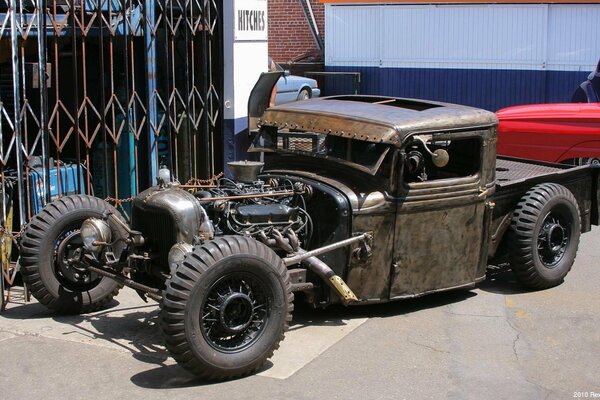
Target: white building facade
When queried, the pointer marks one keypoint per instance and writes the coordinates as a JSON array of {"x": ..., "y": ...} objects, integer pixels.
[{"x": 480, "y": 54}]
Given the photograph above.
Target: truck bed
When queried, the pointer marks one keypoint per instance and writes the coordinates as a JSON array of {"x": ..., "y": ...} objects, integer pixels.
[
  {"x": 510, "y": 170},
  {"x": 514, "y": 177}
]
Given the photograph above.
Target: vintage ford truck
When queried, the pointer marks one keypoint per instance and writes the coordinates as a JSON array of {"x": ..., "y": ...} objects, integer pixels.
[{"x": 361, "y": 200}]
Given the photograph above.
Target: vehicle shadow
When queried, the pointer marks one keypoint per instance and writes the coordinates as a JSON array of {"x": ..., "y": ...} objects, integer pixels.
[
  {"x": 173, "y": 376},
  {"x": 501, "y": 280},
  {"x": 130, "y": 327},
  {"x": 136, "y": 328},
  {"x": 335, "y": 315}
]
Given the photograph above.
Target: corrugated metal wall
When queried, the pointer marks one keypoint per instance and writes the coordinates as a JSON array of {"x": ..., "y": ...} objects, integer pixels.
[
  {"x": 353, "y": 36},
  {"x": 573, "y": 37},
  {"x": 488, "y": 56}
]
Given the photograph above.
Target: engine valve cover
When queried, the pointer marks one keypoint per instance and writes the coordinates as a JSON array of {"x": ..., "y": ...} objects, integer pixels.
[{"x": 266, "y": 213}]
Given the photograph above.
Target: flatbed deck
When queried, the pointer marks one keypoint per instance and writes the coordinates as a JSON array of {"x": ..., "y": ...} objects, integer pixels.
[
  {"x": 511, "y": 170},
  {"x": 514, "y": 177}
]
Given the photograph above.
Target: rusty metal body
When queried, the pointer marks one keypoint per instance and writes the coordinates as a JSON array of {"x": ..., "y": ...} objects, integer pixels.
[
  {"x": 431, "y": 232},
  {"x": 375, "y": 119},
  {"x": 427, "y": 235},
  {"x": 365, "y": 199}
]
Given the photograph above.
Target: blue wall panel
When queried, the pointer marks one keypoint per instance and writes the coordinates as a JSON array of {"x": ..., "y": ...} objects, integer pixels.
[
  {"x": 236, "y": 140},
  {"x": 490, "y": 89}
]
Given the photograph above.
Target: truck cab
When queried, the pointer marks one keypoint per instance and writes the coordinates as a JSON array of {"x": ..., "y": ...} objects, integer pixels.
[{"x": 417, "y": 174}]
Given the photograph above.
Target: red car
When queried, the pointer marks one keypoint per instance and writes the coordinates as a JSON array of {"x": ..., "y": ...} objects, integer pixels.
[{"x": 562, "y": 133}]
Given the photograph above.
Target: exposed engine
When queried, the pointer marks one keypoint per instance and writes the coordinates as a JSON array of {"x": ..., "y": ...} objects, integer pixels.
[
  {"x": 172, "y": 220},
  {"x": 272, "y": 212}
]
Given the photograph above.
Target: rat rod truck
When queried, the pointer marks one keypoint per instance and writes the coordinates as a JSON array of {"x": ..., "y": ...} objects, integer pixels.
[{"x": 362, "y": 200}]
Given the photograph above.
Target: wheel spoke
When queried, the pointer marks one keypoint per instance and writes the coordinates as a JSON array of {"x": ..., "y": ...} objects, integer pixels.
[
  {"x": 235, "y": 311},
  {"x": 553, "y": 240}
]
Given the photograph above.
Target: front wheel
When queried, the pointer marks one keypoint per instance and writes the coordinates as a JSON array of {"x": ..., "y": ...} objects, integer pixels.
[
  {"x": 226, "y": 307},
  {"x": 544, "y": 235},
  {"x": 51, "y": 239}
]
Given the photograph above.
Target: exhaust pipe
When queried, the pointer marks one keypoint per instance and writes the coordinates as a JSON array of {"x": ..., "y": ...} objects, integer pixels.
[
  {"x": 309, "y": 260},
  {"x": 326, "y": 273}
]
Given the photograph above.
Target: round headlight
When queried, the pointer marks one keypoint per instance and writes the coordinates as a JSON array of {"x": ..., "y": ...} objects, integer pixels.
[
  {"x": 94, "y": 233},
  {"x": 164, "y": 175},
  {"x": 178, "y": 252}
]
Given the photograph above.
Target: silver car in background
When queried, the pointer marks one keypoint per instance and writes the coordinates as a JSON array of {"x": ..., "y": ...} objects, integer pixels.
[{"x": 293, "y": 87}]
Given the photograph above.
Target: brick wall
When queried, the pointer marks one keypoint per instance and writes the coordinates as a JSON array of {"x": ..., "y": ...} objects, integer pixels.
[{"x": 289, "y": 33}]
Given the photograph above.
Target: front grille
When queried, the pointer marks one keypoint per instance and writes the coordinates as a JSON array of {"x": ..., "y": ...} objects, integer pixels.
[{"x": 158, "y": 230}]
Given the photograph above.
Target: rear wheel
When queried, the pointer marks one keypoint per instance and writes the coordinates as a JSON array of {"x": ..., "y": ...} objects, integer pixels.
[
  {"x": 544, "y": 235},
  {"x": 226, "y": 307},
  {"x": 304, "y": 94},
  {"x": 50, "y": 240}
]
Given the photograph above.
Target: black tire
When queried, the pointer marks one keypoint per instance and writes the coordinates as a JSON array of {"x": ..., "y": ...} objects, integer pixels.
[
  {"x": 304, "y": 94},
  {"x": 588, "y": 161},
  {"x": 49, "y": 238},
  {"x": 544, "y": 235},
  {"x": 224, "y": 280}
]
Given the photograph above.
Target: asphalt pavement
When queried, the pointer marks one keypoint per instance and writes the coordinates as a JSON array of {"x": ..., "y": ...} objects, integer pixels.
[{"x": 498, "y": 341}]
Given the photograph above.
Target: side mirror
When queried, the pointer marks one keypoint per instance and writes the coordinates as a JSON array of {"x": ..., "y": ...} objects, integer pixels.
[
  {"x": 286, "y": 72},
  {"x": 440, "y": 158}
]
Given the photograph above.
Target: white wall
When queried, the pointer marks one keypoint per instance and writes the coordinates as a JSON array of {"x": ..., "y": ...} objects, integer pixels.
[
  {"x": 244, "y": 59},
  {"x": 511, "y": 36},
  {"x": 574, "y": 37}
]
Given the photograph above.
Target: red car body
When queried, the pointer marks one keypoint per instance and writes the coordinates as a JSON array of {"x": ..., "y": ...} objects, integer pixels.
[{"x": 567, "y": 132}]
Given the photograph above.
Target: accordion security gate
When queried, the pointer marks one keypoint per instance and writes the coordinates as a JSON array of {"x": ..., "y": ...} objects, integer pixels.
[{"x": 95, "y": 95}]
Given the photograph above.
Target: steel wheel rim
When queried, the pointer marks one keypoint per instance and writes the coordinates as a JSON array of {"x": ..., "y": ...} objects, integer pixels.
[
  {"x": 553, "y": 239},
  {"x": 235, "y": 312},
  {"x": 70, "y": 276}
]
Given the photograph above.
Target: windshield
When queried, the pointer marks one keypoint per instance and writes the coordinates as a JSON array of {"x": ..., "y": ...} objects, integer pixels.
[{"x": 366, "y": 156}]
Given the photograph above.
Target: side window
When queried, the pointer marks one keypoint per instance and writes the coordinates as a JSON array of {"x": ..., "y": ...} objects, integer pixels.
[{"x": 464, "y": 160}]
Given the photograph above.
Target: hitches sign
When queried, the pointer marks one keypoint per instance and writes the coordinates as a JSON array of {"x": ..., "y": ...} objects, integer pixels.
[{"x": 250, "y": 20}]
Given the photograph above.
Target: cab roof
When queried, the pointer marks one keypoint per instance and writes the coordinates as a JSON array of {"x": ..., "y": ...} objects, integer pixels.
[{"x": 375, "y": 119}]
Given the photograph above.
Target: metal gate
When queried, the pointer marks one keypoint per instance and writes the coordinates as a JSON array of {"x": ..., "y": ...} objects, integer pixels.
[{"x": 95, "y": 95}]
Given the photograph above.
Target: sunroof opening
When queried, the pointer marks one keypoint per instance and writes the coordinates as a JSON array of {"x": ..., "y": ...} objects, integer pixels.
[{"x": 388, "y": 101}]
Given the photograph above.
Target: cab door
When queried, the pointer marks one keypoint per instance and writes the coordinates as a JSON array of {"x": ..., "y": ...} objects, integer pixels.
[{"x": 442, "y": 212}]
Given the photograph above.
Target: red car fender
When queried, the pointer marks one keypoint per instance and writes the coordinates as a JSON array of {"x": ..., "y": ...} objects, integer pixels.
[
  {"x": 589, "y": 149},
  {"x": 550, "y": 132}
]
